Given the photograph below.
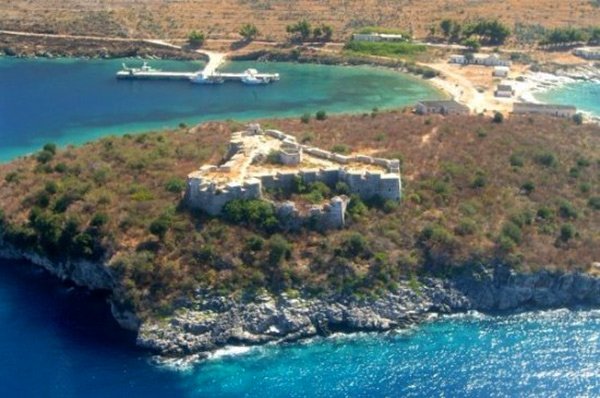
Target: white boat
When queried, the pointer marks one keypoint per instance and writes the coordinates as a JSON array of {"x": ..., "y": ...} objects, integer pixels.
[
  {"x": 251, "y": 76},
  {"x": 201, "y": 78},
  {"x": 144, "y": 68}
]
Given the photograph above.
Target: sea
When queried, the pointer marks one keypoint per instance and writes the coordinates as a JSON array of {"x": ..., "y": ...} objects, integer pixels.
[
  {"x": 72, "y": 101},
  {"x": 585, "y": 95},
  {"x": 58, "y": 340}
]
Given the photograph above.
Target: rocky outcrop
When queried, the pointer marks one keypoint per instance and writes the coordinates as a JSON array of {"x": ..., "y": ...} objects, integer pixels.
[
  {"x": 209, "y": 322},
  {"x": 90, "y": 274},
  {"x": 213, "y": 322}
]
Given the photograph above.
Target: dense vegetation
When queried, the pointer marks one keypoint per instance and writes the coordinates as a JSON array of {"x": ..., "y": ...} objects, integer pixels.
[
  {"x": 524, "y": 192},
  {"x": 485, "y": 31},
  {"x": 385, "y": 49}
]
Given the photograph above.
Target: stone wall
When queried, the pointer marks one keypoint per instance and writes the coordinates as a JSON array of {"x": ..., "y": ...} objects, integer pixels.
[
  {"x": 331, "y": 215},
  {"x": 206, "y": 194}
]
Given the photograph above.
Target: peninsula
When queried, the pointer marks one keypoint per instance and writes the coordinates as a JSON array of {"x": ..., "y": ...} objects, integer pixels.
[{"x": 511, "y": 227}]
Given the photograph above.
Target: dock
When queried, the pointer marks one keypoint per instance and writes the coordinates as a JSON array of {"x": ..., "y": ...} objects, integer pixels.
[{"x": 208, "y": 75}]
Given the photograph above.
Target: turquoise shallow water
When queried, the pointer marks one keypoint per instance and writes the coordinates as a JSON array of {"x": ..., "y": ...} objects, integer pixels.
[
  {"x": 70, "y": 101},
  {"x": 584, "y": 95},
  {"x": 57, "y": 341}
]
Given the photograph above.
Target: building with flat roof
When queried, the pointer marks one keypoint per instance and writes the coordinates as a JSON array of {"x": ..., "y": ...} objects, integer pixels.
[
  {"x": 544, "y": 109},
  {"x": 587, "y": 52},
  {"x": 377, "y": 37},
  {"x": 443, "y": 107},
  {"x": 479, "y": 59}
]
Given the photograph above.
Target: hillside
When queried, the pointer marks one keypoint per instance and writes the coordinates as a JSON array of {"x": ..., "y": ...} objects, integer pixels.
[
  {"x": 523, "y": 192},
  {"x": 174, "y": 19}
]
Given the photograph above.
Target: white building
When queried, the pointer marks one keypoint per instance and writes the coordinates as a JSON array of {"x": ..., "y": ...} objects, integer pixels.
[
  {"x": 544, "y": 109},
  {"x": 587, "y": 52},
  {"x": 479, "y": 59},
  {"x": 500, "y": 71},
  {"x": 376, "y": 37},
  {"x": 504, "y": 90}
]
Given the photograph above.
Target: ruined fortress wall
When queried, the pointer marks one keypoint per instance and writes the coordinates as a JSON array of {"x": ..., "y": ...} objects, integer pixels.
[{"x": 211, "y": 199}]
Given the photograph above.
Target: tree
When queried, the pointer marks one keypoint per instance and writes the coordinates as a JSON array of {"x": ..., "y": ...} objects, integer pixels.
[
  {"x": 446, "y": 26},
  {"x": 196, "y": 39},
  {"x": 498, "y": 117},
  {"x": 301, "y": 30},
  {"x": 321, "y": 115},
  {"x": 249, "y": 32},
  {"x": 472, "y": 43},
  {"x": 160, "y": 226},
  {"x": 567, "y": 232},
  {"x": 578, "y": 118},
  {"x": 491, "y": 31},
  {"x": 328, "y": 32}
]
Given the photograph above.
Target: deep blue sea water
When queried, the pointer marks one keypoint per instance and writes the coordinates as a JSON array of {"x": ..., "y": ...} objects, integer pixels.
[
  {"x": 584, "y": 95},
  {"x": 60, "y": 341},
  {"x": 70, "y": 101},
  {"x": 57, "y": 341}
]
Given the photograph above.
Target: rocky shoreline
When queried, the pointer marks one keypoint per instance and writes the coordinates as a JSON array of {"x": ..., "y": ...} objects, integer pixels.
[
  {"x": 209, "y": 322},
  {"x": 58, "y": 47},
  {"x": 214, "y": 322}
]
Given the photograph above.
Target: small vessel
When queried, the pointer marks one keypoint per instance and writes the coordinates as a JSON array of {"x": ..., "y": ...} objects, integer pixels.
[
  {"x": 201, "y": 78},
  {"x": 251, "y": 76},
  {"x": 144, "y": 68}
]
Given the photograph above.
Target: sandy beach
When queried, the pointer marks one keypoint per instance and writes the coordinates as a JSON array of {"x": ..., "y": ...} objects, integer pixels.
[{"x": 474, "y": 85}]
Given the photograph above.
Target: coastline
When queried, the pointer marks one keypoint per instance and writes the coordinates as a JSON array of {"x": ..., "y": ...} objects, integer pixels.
[
  {"x": 525, "y": 82},
  {"x": 279, "y": 319}
]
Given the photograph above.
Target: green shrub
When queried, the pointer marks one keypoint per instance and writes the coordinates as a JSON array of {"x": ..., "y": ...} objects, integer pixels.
[
  {"x": 11, "y": 177},
  {"x": 436, "y": 234},
  {"x": 196, "y": 39},
  {"x": 60, "y": 167},
  {"x": 99, "y": 219},
  {"x": 279, "y": 250},
  {"x": 354, "y": 245},
  {"x": 585, "y": 187},
  {"x": 498, "y": 117},
  {"x": 175, "y": 185},
  {"x": 389, "y": 206},
  {"x": 578, "y": 118},
  {"x": 528, "y": 187},
  {"x": 255, "y": 243},
  {"x": 273, "y": 157},
  {"x": 594, "y": 202},
  {"x": 305, "y": 118},
  {"x": 251, "y": 212},
  {"x": 466, "y": 226},
  {"x": 567, "y": 232},
  {"x": 160, "y": 226},
  {"x": 341, "y": 188},
  {"x": 356, "y": 207},
  {"x": 545, "y": 213},
  {"x": 50, "y": 147},
  {"x": 44, "y": 156},
  {"x": 341, "y": 149},
  {"x": 479, "y": 182},
  {"x": 567, "y": 210},
  {"x": 547, "y": 159},
  {"x": 51, "y": 187},
  {"x": 516, "y": 160},
  {"x": 321, "y": 115},
  {"x": 512, "y": 231}
]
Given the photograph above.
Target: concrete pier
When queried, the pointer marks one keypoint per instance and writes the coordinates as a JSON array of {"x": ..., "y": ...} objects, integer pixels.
[{"x": 208, "y": 75}]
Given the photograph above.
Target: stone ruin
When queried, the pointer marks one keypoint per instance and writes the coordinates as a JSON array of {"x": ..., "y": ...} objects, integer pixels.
[{"x": 244, "y": 174}]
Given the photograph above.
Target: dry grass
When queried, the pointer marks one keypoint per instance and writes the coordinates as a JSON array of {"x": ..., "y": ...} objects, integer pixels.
[
  {"x": 172, "y": 19},
  {"x": 460, "y": 193}
]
